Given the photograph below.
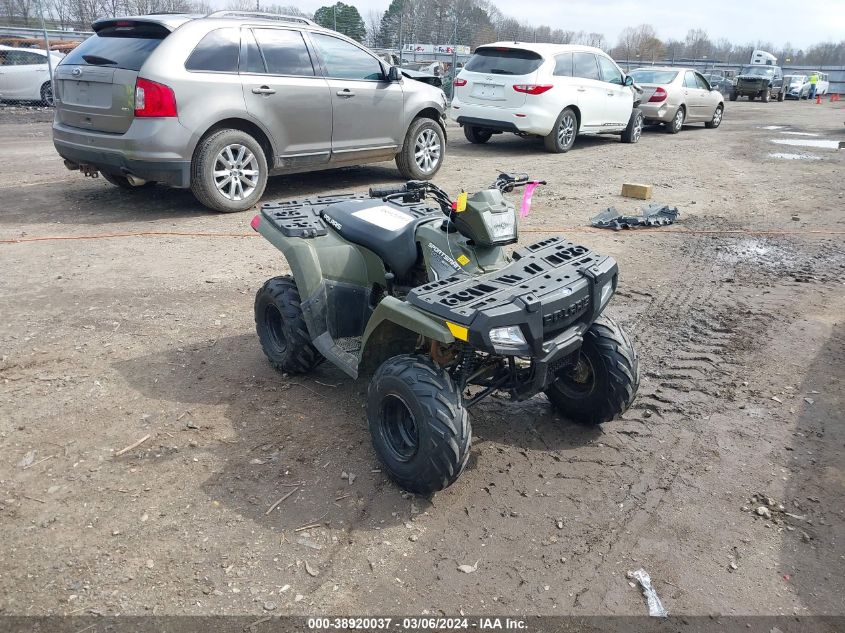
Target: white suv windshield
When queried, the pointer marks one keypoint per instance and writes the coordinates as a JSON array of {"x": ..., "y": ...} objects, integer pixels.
[{"x": 504, "y": 61}]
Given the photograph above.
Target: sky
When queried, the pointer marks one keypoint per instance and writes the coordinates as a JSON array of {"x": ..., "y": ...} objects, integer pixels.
[{"x": 800, "y": 22}]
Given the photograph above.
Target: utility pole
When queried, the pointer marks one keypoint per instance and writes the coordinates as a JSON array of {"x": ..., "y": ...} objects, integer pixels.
[
  {"x": 401, "y": 18},
  {"x": 49, "y": 55},
  {"x": 334, "y": 12},
  {"x": 455, "y": 47}
]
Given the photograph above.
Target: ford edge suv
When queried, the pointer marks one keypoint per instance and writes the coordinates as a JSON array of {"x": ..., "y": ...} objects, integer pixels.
[{"x": 217, "y": 103}]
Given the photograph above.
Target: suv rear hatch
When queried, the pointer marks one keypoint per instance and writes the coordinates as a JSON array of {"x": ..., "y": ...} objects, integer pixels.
[
  {"x": 96, "y": 81},
  {"x": 492, "y": 72}
]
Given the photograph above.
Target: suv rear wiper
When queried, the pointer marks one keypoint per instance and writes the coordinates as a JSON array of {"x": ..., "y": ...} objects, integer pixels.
[{"x": 96, "y": 60}]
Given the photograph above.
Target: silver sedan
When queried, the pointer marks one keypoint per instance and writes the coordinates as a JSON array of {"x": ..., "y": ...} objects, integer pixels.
[{"x": 675, "y": 96}]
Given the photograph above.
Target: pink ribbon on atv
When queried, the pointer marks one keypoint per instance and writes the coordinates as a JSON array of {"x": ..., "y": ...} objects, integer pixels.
[{"x": 527, "y": 197}]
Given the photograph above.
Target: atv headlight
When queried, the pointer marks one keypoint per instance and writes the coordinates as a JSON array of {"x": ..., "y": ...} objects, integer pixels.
[
  {"x": 510, "y": 336},
  {"x": 503, "y": 225},
  {"x": 606, "y": 291}
]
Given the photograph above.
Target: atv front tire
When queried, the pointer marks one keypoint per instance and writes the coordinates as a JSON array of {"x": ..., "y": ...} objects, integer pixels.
[
  {"x": 281, "y": 327},
  {"x": 420, "y": 428},
  {"x": 605, "y": 380}
]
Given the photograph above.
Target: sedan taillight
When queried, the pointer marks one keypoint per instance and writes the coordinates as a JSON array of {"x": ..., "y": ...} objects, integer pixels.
[
  {"x": 533, "y": 89},
  {"x": 154, "y": 99},
  {"x": 658, "y": 96}
]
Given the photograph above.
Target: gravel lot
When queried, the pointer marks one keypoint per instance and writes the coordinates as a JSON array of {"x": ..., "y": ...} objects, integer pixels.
[{"x": 737, "y": 313}]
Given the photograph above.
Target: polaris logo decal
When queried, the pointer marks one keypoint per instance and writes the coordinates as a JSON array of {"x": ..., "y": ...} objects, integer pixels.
[
  {"x": 444, "y": 256},
  {"x": 337, "y": 225},
  {"x": 565, "y": 313}
]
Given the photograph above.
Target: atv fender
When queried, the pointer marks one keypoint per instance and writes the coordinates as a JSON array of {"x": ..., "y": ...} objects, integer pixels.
[{"x": 395, "y": 327}]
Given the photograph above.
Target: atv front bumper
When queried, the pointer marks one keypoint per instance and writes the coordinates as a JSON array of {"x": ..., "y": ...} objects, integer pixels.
[{"x": 552, "y": 292}]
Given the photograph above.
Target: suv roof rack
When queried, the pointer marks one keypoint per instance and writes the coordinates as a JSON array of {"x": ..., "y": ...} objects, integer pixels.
[{"x": 262, "y": 16}]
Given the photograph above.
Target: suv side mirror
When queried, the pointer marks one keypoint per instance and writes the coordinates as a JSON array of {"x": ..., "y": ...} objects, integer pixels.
[
  {"x": 629, "y": 81},
  {"x": 394, "y": 74}
]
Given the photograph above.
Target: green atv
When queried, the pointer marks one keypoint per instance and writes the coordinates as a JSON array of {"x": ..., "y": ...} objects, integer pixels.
[{"x": 426, "y": 299}]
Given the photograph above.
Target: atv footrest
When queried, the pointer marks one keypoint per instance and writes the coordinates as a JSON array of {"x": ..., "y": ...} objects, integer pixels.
[{"x": 340, "y": 352}]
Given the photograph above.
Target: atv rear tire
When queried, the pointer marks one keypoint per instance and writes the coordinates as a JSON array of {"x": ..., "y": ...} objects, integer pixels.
[
  {"x": 423, "y": 150},
  {"x": 420, "y": 428},
  {"x": 603, "y": 384},
  {"x": 477, "y": 135},
  {"x": 281, "y": 327}
]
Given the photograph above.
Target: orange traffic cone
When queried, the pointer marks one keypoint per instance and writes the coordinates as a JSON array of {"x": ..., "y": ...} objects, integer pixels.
[
  {"x": 834, "y": 96},
  {"x": 818, "y": 99}
]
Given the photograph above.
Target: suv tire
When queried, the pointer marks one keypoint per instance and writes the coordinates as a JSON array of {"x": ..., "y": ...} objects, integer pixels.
[
  {"x": 477, "y": 135},
  {"x": 420, "y": 428},
  {"x": 237, "y": 153},
  {"x": 281, "y": 327},
  {"x": 423, "y": 150},
  {"x": 562, "y": 137},
  {"x": 632, "y": 133},
  {"x": 781, "y": 95},
  {"x": 733, "y": 96},
  {"x": 766, "y": 96}
]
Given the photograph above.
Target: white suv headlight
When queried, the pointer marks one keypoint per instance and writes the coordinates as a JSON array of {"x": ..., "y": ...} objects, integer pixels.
[{"x": 510, "y": 336}]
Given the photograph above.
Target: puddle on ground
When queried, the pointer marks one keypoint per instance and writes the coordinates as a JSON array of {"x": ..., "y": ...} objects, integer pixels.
[
  {"x": 786, "y": 156},
  {"x": 801, "y": 133},
  {"x": 808, "y": 142}
]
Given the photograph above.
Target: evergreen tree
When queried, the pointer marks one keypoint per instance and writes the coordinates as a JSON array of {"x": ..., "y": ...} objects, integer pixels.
[{"x": 343, "y": 18}]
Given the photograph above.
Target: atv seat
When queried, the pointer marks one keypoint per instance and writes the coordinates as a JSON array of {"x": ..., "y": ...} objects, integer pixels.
[{"x": 387, "y": 229}]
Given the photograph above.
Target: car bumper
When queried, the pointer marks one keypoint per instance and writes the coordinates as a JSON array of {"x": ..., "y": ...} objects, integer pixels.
[
  {"x": 152, "y": 149},
  {"x": 526, "y": 119},
  {"x": 662, "y": 112}
]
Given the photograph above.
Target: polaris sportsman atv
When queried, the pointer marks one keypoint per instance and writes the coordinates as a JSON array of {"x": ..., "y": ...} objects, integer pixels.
[{"x": 426, "y": 299}]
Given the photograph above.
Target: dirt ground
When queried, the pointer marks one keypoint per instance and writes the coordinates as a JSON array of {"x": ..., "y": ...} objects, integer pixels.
[{"x": 737, "y": 313}]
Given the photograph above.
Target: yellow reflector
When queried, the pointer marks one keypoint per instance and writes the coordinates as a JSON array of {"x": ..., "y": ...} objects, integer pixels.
[
  {"x": 462, "y": 202},
  {"x": 458, "y": 331},
  {"x": 463, "y": 260}
]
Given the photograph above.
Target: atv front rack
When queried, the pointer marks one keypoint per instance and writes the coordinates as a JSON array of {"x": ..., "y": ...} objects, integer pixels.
[{"x": 549, "y": 286}]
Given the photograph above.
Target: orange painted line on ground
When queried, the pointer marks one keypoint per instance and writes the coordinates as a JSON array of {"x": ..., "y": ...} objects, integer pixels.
[{"x": 578, "y": 229}]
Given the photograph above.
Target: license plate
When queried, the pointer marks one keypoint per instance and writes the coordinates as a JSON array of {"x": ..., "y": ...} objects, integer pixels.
[{"x": 488, "y": 91}]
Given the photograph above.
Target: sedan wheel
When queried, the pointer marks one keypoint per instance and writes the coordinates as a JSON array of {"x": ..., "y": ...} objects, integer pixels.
[
  {"x": 716, "y": 121},
  {"x": 677, "y": 122}
]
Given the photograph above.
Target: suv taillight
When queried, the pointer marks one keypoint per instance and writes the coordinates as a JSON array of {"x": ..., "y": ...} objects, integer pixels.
[
  {"x": 658, "y": 96},
  {"x": 459, "y": 82},
  {"x": 532, "y": 89},
  {"x": 153, "y": 99}
]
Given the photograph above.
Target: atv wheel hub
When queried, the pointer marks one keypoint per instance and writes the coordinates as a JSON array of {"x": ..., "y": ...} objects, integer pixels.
[{"x": 399, "y": 428}]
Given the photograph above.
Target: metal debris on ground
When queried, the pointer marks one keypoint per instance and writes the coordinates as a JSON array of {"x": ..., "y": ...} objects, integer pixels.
[
  {"x": 655, "y": 607},
  {"x": 654, "y": 214}
]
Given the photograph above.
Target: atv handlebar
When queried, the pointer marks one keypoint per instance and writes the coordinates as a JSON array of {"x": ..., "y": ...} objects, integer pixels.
[{"x": 383, "y": 192}]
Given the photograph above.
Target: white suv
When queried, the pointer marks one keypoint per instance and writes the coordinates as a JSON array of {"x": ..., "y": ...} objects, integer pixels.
[{"x": 556, "y": 91}]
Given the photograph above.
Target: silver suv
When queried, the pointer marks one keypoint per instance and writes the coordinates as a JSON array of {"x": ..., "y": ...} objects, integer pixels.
[{"x": 218, "y": 102}]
